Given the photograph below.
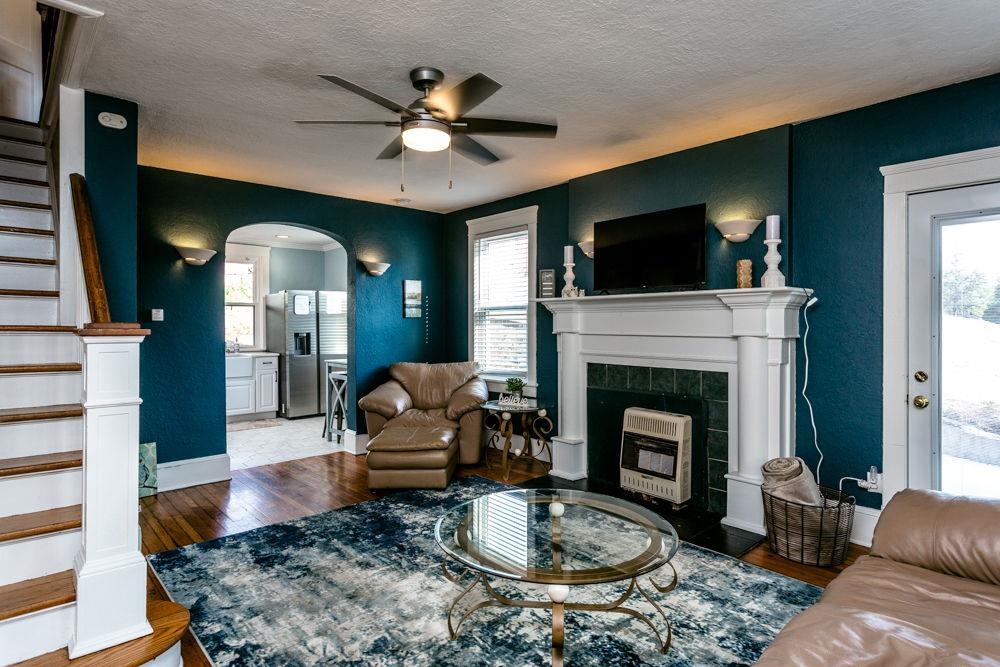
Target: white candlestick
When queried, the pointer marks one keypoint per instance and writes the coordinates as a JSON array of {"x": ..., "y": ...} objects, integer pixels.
[
  {"x": 773, "y": 277},
  {"x": 567, "y": 254},
  {"x": 773, "y": 227}
]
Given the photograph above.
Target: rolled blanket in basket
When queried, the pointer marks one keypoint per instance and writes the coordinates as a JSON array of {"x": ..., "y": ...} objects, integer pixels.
[{"x": 790, "y": 479}]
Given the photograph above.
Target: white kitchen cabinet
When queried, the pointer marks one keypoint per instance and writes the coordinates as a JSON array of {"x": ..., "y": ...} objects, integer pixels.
[
  {"x": 240, "y": 396},
  {"x": 266, "y": 376}
]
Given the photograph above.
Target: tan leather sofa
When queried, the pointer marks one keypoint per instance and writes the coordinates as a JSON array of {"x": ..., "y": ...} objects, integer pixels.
[
  {"x": 929, "y": 593},
  {"x": 438, "y": 405}
]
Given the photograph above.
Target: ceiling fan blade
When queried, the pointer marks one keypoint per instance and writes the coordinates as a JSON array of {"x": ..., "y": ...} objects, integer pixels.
[
  {"x": 472, "y": 149},
  {"x": 393, "y": 150},
  {"x": 465, "y": 96},
  {"x": 505, "y": 128},
  {"x": 368, "y": 95},
  {"x": 386, "y": 123}
]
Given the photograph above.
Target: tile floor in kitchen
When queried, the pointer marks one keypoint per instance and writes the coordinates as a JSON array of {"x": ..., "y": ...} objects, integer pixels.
[{"x": 290, "y": 439}]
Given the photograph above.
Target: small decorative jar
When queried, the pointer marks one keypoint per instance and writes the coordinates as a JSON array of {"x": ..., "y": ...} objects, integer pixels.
[{"x": 744, "y": 273}]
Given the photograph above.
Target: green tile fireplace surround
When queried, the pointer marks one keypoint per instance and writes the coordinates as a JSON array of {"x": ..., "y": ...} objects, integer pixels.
[{"x": 711, "y": 387}]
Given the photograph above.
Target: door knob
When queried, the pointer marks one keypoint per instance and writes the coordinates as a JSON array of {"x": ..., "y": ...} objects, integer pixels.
[
  {"x": 921, "y": 402},
  {"x": 920, "y": 376}
]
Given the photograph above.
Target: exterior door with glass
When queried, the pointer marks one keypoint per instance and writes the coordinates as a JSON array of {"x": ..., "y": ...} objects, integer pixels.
[{"x": 953, "y": 302}]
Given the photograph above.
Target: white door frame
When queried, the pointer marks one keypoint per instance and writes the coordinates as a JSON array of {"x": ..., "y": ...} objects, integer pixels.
[{"x": 901, "y": 181}]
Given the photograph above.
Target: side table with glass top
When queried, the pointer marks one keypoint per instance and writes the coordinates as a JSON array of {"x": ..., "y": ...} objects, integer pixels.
[
  {"x": 533, "y": 424},
  {"x": 560, "y": 539}
]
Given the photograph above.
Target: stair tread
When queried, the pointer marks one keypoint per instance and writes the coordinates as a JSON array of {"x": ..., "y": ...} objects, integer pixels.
[
  {"x": 6, "y": 259},
  {"x": 20, "y": 140},
  {"x": 169, "y": 620},
  {"x": 24, "y": 465},
  {"x": 24, "y": 204},
  {"x": 64, "y": 411},
  {"x": 27, "y": 160},
  {"x": 44, "y": 293},
  {"x": 20, "y": 526},
  {"x": 32, "y": 595},
  {"x": 17, "y": 180},
  {"x": 61, "y": 367},
  {"x": 10, "y": 229}
]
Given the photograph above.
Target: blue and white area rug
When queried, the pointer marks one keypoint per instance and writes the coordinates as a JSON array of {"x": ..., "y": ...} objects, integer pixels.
[{"x": 362, "y": 585}]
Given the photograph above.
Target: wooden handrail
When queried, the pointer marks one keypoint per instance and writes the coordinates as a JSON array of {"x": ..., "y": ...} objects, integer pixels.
[{"x": 97, "y": 296}]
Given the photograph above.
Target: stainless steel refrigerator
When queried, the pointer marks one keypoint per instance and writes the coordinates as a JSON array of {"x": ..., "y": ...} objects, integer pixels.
[
  {"x": 331, "y": 314},
  {"x": 292, "y": 333}
]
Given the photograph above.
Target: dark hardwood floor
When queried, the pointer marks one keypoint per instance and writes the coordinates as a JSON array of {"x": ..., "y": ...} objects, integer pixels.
[{"x": 284, "y": 491}]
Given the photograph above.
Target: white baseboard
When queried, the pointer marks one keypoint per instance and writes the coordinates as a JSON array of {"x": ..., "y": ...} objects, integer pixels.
[
  {"x": 354, "y": 442},
  {"x": 192, "y": 472},
  {"x": 865, "y": 519}
]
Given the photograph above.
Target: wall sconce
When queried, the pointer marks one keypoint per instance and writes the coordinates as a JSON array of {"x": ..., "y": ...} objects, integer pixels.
[
  {"x": 376, "y": 268},
  {"x": 194, "y": 256},
  {"x": 737, "y": 231},
  {"x": 587, "y": 248}
]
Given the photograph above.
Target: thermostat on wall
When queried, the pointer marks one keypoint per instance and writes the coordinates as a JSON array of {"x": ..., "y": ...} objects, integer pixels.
[{"x": 112, "y": 120}]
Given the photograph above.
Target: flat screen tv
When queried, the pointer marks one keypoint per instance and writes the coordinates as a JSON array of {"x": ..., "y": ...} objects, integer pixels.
[{"x": 658, "y": 251}]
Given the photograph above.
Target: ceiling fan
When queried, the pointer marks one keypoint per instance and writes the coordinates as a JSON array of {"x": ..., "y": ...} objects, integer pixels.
[{"x": 437, "y": 119}]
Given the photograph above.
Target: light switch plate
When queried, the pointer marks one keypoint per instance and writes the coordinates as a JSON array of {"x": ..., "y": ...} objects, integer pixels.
[{"x": 157, "y": 315}]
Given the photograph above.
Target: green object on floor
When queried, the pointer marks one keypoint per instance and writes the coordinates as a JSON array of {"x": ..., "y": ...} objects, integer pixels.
[{"x": 147, "y": 469}]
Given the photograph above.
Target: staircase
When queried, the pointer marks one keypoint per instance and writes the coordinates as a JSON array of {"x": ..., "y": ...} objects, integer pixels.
[
  {"x": 41, "y": 427},
  {"x": 44, "y": 558}
]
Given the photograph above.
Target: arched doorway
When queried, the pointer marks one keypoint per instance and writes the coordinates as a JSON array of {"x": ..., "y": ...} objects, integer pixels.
[{"x": 285, "y": 317}]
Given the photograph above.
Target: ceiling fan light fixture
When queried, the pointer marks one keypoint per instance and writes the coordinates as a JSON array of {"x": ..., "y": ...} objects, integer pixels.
[{"x": 425, "y": 134}]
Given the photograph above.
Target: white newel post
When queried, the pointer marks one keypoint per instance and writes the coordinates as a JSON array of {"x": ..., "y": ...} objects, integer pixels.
[{"x": 110, "y": 569}]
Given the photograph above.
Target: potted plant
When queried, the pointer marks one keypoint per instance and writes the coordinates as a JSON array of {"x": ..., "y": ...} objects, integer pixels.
[{"x": 515, "y": 386}]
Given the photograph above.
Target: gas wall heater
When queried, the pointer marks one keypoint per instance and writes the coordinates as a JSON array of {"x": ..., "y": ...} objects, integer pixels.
[{"x": 656, "y": 454}]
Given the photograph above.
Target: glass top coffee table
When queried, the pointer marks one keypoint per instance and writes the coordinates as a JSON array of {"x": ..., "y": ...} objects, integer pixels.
[{"x": 557, "y": 538}]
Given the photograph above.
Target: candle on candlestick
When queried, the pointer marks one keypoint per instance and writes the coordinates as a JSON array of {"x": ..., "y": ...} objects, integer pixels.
[
  {"x": 773, "y": 227},
  {"x": 568, "y": 254}
]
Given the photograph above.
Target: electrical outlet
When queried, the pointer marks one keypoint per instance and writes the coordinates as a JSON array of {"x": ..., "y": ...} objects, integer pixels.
[{"x": 874, "y": 480}]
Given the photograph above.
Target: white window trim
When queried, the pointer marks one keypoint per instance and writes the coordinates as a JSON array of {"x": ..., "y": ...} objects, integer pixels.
[
  {"x": 237, "y": 252},
  {"x": 901, "y": 181},
  {"x": 522, "y": 217}
]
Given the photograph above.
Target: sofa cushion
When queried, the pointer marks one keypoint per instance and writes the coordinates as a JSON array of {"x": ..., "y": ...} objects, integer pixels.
[
  {"x": 950, "y": 534},
  {"x": 884, "y": 613},
  {"x": 431, "y": 385},
  {"x": 396, "y": 439},
  {"x": 412, "y": 449},
  {"x": 415, "y": 418}
]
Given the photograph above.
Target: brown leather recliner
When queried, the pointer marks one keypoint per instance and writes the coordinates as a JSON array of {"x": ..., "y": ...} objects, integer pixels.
[{"x": 439, "y": 400}]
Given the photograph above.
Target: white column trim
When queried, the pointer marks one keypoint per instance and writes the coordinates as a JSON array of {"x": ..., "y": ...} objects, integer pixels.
[
  {"x": 110, "y": 569},
  {"x": 901, "y": 181}
]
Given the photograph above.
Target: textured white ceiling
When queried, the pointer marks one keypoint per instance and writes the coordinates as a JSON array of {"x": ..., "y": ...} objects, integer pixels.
[
  {"x": 266, "y": 234},
  {"x": 219, "y": 83}
]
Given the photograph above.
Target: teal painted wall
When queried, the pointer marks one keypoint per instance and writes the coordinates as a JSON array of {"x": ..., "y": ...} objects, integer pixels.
[
  {"x": 837, "y": 250},
  {"x": 743, "y": 177},
  {"x": 289, "y": 268},
  {"x": 110, "y": 163},
  {"x": 183, "y": 374}
]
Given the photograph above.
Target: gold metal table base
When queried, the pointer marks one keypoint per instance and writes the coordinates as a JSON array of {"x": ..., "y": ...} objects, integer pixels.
[
  {"x": 557, "y": 603},
  {"x": 535, "y": 427}
]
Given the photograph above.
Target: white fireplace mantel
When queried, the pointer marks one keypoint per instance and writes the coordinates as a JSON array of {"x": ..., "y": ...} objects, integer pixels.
[{"x": 747, "y": 333}]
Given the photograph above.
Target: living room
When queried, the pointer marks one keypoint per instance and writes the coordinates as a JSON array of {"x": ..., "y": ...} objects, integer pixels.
[{"x": 804, "y": 113}]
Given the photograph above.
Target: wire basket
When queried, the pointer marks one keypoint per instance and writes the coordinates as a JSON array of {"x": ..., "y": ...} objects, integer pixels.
[{"x": 810, "y": 534}]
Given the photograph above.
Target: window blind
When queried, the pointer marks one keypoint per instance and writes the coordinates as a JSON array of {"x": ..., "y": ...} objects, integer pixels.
[{"x": 500, "y": 302}]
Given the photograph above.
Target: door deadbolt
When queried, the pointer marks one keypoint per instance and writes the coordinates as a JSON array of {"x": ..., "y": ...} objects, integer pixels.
[
  {"x": 921, "y": 402},
  {"x": 920, "y": 376}
]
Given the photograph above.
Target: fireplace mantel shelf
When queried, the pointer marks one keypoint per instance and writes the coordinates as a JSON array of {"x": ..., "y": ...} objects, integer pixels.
[{"x": 748, "y": 334}]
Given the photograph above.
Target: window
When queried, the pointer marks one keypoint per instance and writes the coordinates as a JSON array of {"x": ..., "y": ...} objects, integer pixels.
[
  {"x": 245, "y": 288},
  {"x": 501, "y": 282}
]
